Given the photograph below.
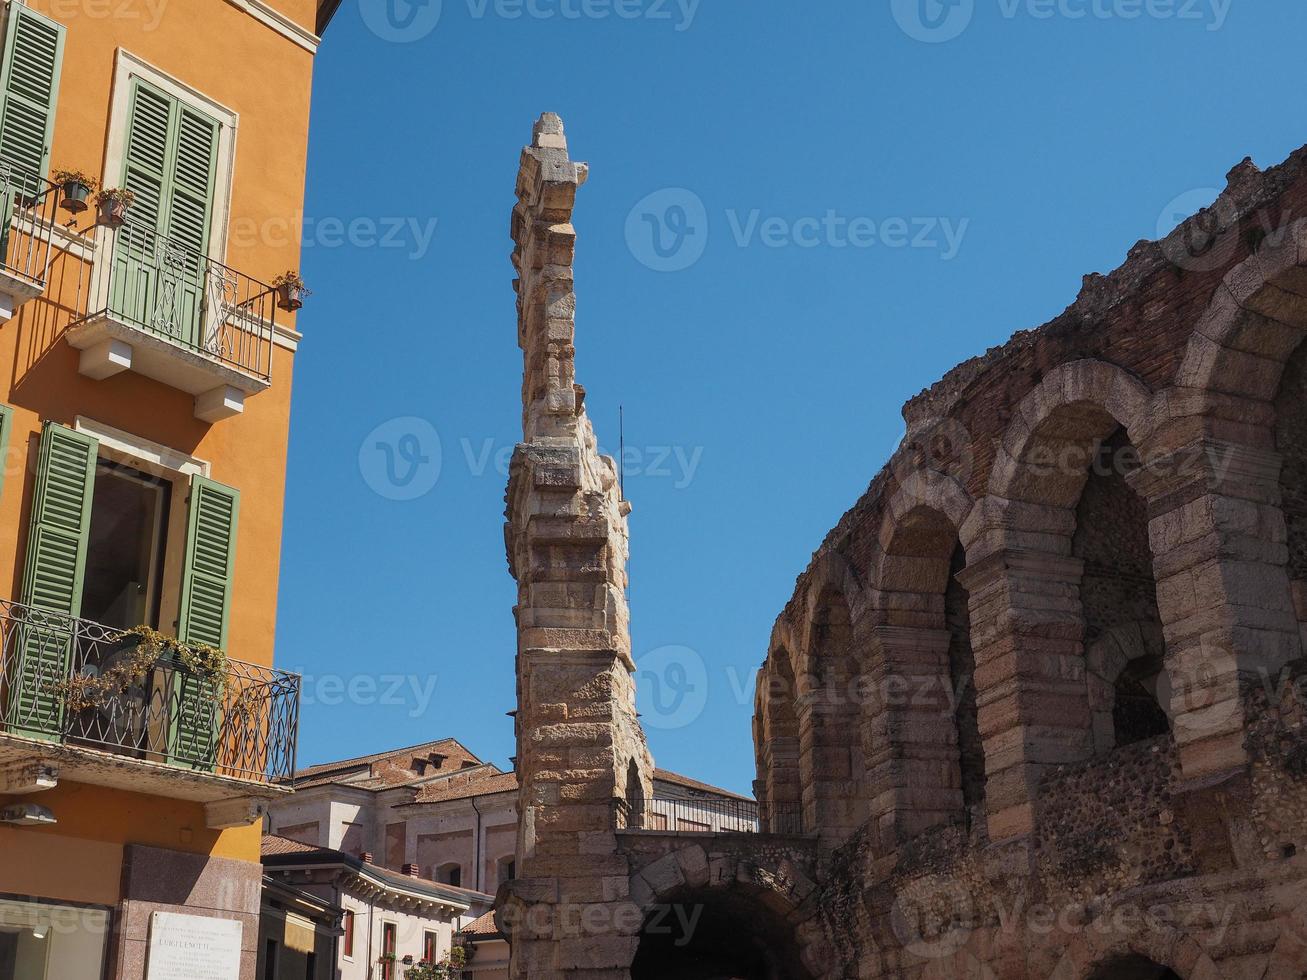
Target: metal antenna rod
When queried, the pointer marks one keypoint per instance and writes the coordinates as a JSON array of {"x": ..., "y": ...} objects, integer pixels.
[{"x": 621, "y": 451}]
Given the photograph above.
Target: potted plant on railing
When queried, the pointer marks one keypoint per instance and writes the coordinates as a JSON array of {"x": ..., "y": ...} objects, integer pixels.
[
  {"x": 76, "y": 187},
  {"x": 113, "y": 203},
  {"x": 193, "y": 682},
  {"x": 290, "y": 290}
]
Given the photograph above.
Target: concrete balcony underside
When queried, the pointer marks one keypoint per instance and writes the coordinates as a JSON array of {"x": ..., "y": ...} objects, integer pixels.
[
  {"x": 111, "y": 345},
  {"x": 15, "y": 290},
  {"x": 229, "y": 801}
]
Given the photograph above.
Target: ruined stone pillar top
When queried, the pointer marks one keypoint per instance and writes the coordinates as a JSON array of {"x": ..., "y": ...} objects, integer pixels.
[{"x": 544, "y": 245}]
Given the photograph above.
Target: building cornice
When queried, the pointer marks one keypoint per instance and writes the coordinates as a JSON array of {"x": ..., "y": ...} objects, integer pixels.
[{"x": 271, "y": 17}]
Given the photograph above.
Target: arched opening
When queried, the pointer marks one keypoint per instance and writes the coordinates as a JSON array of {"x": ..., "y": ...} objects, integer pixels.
[
  {"x": 829, "y": 746},
  {"x": 717, "y": 934},
  {"x": 1291, "y": 444},
  {"x": 450, "y": 874},
  {"x": 633, "y": 800},
  {"x": 1118, "y": 598},
  {"x": 928, "y": 698},
  {"x": 1137, "y": 713},
  {"x": 779, "y": 779},
  {"x": 962, "y": 680},
  {"x": 1133, "y": 967},
  {"x": 1071, "y": 575}
]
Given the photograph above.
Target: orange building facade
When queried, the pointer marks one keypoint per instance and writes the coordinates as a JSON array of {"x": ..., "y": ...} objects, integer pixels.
[{"x": 146, "y": 358}]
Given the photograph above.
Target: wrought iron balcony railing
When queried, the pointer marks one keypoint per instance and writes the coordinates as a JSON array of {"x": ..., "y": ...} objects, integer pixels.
[
  {"x": 28, "y": 218},
  {"x": 73, "y": 682},
  {"x": 704, "y": 816},
  {"x": 194, "y": 302}
]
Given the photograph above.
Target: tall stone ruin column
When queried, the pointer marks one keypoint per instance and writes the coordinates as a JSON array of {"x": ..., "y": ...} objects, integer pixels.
[{"x": 582, "y": 758}]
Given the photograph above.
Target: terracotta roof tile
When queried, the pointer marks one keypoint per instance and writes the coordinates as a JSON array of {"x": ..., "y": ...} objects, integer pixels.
[
  {"x": 676, "y": 778},
  {"x": 374, "y": 771},
  {"x": 274, "y": 844},
  {"x": 457, "y": 788},
  {"x": 483, "y": 927}
]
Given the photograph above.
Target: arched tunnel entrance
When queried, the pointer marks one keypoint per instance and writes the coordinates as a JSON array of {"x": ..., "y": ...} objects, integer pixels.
[
  {"x": 1134, "y": 968},
  {"x": 717, "y": 934}
]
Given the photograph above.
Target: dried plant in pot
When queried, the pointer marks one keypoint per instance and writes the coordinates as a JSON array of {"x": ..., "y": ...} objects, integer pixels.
[
  {"x": 75, "y": 186},
  {"x": 290, "y": 290},
  {"x": 113, "y": 203}
]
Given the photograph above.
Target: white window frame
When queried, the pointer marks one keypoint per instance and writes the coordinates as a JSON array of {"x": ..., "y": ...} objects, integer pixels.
[
  {"x": 127, "y": 67},
  {"x": 158, "y": 460}
]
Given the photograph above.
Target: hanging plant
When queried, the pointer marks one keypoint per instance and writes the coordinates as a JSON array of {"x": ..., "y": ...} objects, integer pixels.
[
  {"x": 113, "y": 203},
  {"x": 142, "y": 650},
  {"x": 290, "y": 290},
  {"x": 75, "y": 187}
]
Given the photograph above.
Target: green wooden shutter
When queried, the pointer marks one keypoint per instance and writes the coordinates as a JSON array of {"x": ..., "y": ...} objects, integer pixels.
[
  {"x": 52, "y": 578},
  {"x": 146, "y": 159},
  {"x": 29, "y": 88},
  {"x": 210, "y": 555},
  {"x": 190, "y": 185},
  {"x": 170, "y": 165},
  {"x": 194, "y": 724},
  {"x": 6, "y": 426}
]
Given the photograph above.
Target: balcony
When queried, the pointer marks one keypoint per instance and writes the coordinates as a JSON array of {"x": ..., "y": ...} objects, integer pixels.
[
  {"x": 28, "y": 228},
  {"x": 681, "y": 815},
  {"x": 225, "y": 739},
  {"x": 156, "y": 307}
]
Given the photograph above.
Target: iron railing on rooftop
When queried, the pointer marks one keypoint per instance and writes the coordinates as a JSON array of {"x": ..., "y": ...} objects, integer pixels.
[
  {"x": 242, "y": 722},
  {"x": 164, "y": 287},
  {"x": 706, "y": 816},
  {"x": 28, "y": 218}
]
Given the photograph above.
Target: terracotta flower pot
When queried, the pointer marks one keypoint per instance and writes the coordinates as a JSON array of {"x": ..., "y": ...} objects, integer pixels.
[
  {"x": 75, "y": 195},
  {"x": 289, "y": 297},
  {"x": 112, "y": 213}
]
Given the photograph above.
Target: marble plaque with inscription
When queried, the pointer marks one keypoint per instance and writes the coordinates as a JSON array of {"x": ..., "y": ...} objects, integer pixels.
[{"x": 193, "y": 947}]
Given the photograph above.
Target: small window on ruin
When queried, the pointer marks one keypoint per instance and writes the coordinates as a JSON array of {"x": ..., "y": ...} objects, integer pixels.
[{"x": 1136, "y": 713}]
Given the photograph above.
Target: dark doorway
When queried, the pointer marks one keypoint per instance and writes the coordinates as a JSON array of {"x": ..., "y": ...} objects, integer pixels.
[
  {"x": 1134, "y": 968},
  {"x": 716, "y": 934}
]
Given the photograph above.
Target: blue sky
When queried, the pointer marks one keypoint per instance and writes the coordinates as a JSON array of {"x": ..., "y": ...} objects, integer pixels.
[{"x": 850, "y": 198}]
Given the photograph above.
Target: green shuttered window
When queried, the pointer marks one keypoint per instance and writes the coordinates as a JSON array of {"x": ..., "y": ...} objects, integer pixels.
[
  {"x": 205, "y": 610},
  {"x": 29, "y": 88},
  {"x": 171, "y": 160},
  {"x": 61, "y": 521},
  {"x": 170, "y": 164},
  {"x": 210, "y": 555},
  {"x": 52, "y": 577}
]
